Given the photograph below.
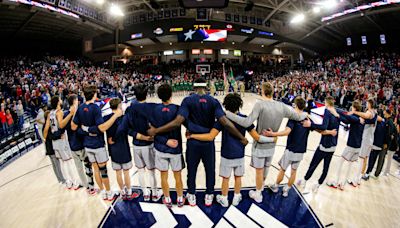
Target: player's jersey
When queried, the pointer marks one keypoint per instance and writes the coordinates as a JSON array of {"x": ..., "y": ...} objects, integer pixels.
[
  {"x": 369, "y": 130},
  {"x": 90, "y": 115},
  {"x": 53, "y": 121},
  {"x": 231, "y": 147},
  {"x": 298, "y": 137},
  {"x": 120, "y": 150},
  {"x": 161, "y": 115}
]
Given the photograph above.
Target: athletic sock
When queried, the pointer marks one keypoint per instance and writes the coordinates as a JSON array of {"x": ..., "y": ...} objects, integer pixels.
[
  {"x": 153, "y": 180},
  {"x": 341, "y": 161},
  {"x": 237, "y": 195},
  {"x": 142, "y": 182}
]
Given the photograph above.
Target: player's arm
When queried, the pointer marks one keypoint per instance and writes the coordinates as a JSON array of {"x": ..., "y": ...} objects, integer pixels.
[
  {"x": 204, "y": 137},
  {"x": 139, "y": 136},
  {"x": 228, "y": 125},
  {"x": 324, "y": 125},
  {"x": 285, "y": 132},
  {"x": 365, "y": 115},
  {"x": 178, "y": 121},
  {"x": 332, "y": 132},
  {"x": 62, "y": 122},
  {"x": 380, "y": 119},
  {"x": 245, "y": 121},
  {"x": 261, "y": 138},
  {"x": 291, "y": 114},
  {"x": 46, "y": 128},
  {"x": 106, "y": 125}
]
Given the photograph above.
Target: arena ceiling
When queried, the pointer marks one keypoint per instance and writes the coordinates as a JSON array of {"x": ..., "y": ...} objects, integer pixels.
[{"x": 19, "y": 20}]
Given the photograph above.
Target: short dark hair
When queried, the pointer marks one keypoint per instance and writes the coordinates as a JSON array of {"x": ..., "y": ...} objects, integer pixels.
[
  {"x": 141, "y": 92},
  {"x": 71, "y": 99},
  {"x": 300, "y": 103},
  {"x": 233, "y": 102},
  {"x": 89, "y": 92},
  {"x": 164, "y": 92},
  {"x": 114, "y": 103},
  {"x": 389, "y": 112},
  {"x": 371, "y": 102},
  {"x": 54, "y": 102},
  {"x": 357, "y": 105}
]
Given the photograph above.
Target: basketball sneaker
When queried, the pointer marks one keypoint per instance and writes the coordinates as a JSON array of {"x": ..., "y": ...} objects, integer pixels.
[
  {"x": 111, "y": 196},
  {"x": 302, "y": 183},
  {"x": 146, "y": 194},
  {"x": 365, "y": 177},
  {"x": 123, "y": 194},
  {"x": 341, "y": 187},
  {"x": 156, "y": 195},
  {"x": 236, "y": 199},
  {"x": 191, "y": 198},
  {"x": 103, "y": 194},
  {"x": 256, "y": 196},
  {"x": 68, "y": 184},
  {"x": 274, "y": 188},
  {"x": 91, "y": 191},
  {"x": 180, "y": 201},
  {"x": 332, "y": 184},
  {"x": 167, "y": 201},
  {"x": 208, "y": 199},
  {"x": 352, "y": 183},
  {"x": 285, "y": 191},
  {"x": 223, "y": 200}
]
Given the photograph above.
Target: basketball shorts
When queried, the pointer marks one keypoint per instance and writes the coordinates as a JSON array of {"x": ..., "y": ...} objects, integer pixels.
[
  {"x": 365, "y": 150},
  {"x": 165, "y": 160},
  {"x": 119, "y": 166},
  {"x": 260, "y": 162},
  {"x": 351, "y": 154},
  {"x": 227, "y": 166},
  {"x": 62, "y": 149},
  {"x": 98, "y": 155},
  {"x": 144, "y": 157},
  {"x": 290, "y": 158}
]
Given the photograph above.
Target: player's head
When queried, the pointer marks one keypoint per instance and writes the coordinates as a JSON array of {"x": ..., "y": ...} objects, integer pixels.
[
  {"x": 72, "y": 100},
  {"x": 300, "y": 103},
  {"x": 233, "y": 102},
  {"x": 200, "y": 84},
  {"x": 356, "y": 106},
  {"x": 370, "y": 103},
  {"x": 387, "y": 113},
  {"x": 54, "y": 102},
  {"x": 330, "y": 101},
  {"x": 115, "y": 103},
  {"x": 164, "y": 92},
  {"x": 141, "y": 92},
  {"x": 268, "y": 89},
  {"x": 90, "y": 92}
]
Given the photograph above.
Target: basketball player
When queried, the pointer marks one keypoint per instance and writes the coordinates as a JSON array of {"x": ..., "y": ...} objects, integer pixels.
[
  {"x": 60, "y": 145},
  {"x": 242, "y": 88},
  {"x": 202, "y": 110},
  {"x": 296, "y": 147},
  {"x": 391, "y": 139},
  {"x": 232, "y": 151},
  {"x": 378, "y": 151},
  {"x": 89, "y": 114},
  {"x": 327, "y": 146},
  {"x": 352, "y": 150},
  {"x": 168, "y": 146},
  {"x": 120, "y": 152},
  {"x": 136, "y": 123},
  {"x": 269, "y": 115},
  {"x": 78, "y": 153},
  {"x": 371, "y": 118}
]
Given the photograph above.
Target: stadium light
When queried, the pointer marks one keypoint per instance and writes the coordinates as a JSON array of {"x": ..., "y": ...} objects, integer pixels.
[
  {"x": 298, "y": 18},
  {"x": 329, "y": 4},
  {"x": 100, "y": 2},
  {"x": 115, "y": 10},
  {"x": 316, "y": 9}
]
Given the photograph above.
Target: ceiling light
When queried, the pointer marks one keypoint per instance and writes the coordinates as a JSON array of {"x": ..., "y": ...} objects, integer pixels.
[
  {"x": 100, "y": 2},
  {"x": 141, "y": 46},
  {"x": 115, "y": 10},
  {"x": 233, "y": 42},
  {"x": 316, "y": 9},
  {"x": 297, "y": 19},
  {"x": 329, "y": 4}
]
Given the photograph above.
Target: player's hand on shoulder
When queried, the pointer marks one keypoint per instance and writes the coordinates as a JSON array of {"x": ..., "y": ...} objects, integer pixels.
[
  {"x": 306, "y": 123},
  {"x": 173, "y": 143}
]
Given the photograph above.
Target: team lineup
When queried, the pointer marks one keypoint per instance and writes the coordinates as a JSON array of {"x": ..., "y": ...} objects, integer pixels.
[{"x": 77, "y": 139}]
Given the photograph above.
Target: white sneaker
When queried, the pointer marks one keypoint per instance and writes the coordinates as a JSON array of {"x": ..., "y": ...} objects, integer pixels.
[
  {"x": 191, "y": 199},
  {"x": 236, "y": 199},
  {"x": 315, "y": 187},
  {"x": 68, "y": 184},
  {"x": 103, "y": 194},
  {"x": 301, "y": 183},
  {"x": 208, "y": 200},
  {"x": 111, "y": 195},
  {"x": 274, "y": 188},
  {"x": 285, "y": 191},
  {"x": 156, "y": 195},
  {"x": 223, "y": 200},
  {"x": 146, "y": 194},
  {"x": 255, "y": 196}
]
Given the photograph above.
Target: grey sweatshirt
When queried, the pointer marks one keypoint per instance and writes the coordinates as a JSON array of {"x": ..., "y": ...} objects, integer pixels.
[{"x": 269, "y": 114}]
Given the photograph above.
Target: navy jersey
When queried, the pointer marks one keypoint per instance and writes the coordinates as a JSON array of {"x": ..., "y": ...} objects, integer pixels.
[
  {"x": 298, "y": 137},
  {"x": 163, "y": 114},
  {"x": 120, "y": 150},
  {"x": 356, "y": 129},
  {"x": 90, "y": 115},
  {"x": 74, "y": 138},
  {"x": 201, "y": 111},
  {"x": 329, "y": 122},
  {"x": 136, "y": 120},
  {"x": 379, "y": 134},
  {"x": 231, "y": 147}
]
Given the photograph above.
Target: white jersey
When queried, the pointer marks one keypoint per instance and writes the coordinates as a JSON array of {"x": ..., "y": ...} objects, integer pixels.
[
  {"x": 369, "y": 130},
  {"x": 53, "y": 121}
]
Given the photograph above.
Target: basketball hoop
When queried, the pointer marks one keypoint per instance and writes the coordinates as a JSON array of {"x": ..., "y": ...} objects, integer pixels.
[{"x": 203, "y": 69}]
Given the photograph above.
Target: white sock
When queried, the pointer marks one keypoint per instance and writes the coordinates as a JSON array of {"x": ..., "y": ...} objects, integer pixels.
[
  {"x": 167, "y": 199},
  {"x": 258, "y": 192},
  {"x": 338, "y": 172},
  {"x": 347, "y": 173},
  {"x": 237, "y": 195},
  {"x": 142, "y": 182},
  {"x": 153, "y": 180},
  {"x": 70, "y": 169},
  {"x": 359, "y": 173},
  {"x": 180, "y": 198},
  {"x": 64, "y": 170}
]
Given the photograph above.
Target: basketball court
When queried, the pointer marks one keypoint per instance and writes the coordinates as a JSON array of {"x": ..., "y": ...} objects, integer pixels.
[{"x": 31, "y": 197}]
